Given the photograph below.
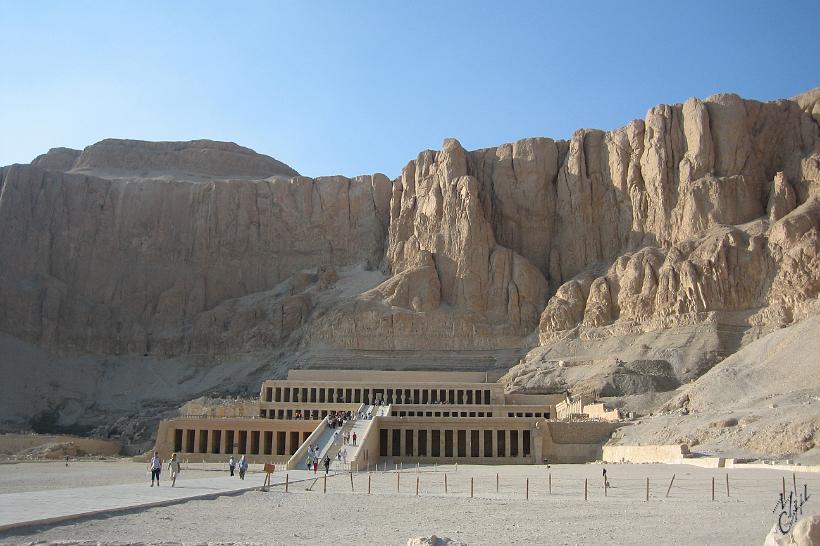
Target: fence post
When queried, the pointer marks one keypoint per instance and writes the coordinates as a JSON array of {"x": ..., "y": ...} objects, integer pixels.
[
  {"x": 527, "y": 491},
  {"x": 398, "y": 486},
  {"x": 668, "y": 489},
  {"x": 550, "y": 482},
  {"x": 324, "y": 484},
  {"x": 605, "y": 488},
  {"x": 784, "y": 487},
  {"x": 445, "y": 482},
  {"x": 727, "y": 485},
  {"x": 368, "y": 482},
  {"x": 647, "y": 489},
  {"x": 496, "y": 482},
  {"x": 417, "y": 466},
  {"x": 585, "y": 489},
  {"x": 794, "y": 479},
  {"x": 286, "y": 482},
  {"x": 713, "y": 488},
  {"x": 471, "y": 488},
  {"x": 351, "y": 482},
  {"x": 417, "y": 486}
]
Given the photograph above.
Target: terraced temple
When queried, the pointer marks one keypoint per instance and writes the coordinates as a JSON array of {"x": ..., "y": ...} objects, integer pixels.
[{"x": 413, "y": 417}]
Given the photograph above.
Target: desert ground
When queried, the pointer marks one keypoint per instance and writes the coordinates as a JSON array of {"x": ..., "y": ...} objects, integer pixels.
[{"x": 342, "y": 516}]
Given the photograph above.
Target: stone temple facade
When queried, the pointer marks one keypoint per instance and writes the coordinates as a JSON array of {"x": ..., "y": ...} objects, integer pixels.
[{"x": 422, "y": 417}]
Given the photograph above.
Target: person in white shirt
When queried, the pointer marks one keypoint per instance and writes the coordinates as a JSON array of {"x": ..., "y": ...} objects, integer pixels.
[
  {"x": 156, "y": 467},
  {"x": 174, "y": 469}
]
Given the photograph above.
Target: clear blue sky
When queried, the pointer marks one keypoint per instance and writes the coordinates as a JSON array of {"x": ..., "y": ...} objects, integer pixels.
[{"x": 351, "y": 87}]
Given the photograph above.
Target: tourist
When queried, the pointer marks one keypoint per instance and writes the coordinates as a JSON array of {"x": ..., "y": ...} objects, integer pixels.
[
  {"x": 344, "y": 455},
  {"x": 354, "y": 437},
  {"x": 606, "y": 482},
  {"x": 243, "y": 467},
  {"x": 327, "y": 464},
  {"x": 231, "y": 464},
  {"x": 156, "y": 468},
  {"x": 174, "y": 469},
  {"x": 316, "y": 463}
]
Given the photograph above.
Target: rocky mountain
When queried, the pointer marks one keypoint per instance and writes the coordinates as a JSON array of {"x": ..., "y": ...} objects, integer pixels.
[{"x": 668, "y": 244}]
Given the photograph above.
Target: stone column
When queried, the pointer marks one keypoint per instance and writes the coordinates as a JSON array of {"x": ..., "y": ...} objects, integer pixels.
[
  {"x": 402, "y": 446},
  {"x": 469, "y": 434},
  {"x": 442, "y": 450},
  {"x": 197, "y": 434},
  {"x": 494, "y": 437},
  {"x": 415, "y": 442},
  {"x": 223, "y": 441},
  {"x": 507, "y": 449},
  {"x": 287, "y": 443},
  {"x": 521, "y": 444},
  {"x": 481, "y": 443},
  {"x": 389, "y": 442}
]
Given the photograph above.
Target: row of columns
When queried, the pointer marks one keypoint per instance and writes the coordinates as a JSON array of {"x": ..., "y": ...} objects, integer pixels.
[
  {"x": 523, "y": 449},
  {"x": 374, "y": 395},
  {"x": 255, "y": 442}
]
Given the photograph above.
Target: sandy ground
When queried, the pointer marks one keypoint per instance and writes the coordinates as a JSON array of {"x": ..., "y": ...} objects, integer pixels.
[
  {"x": 340, "y": 516},
  {"x": 39, "y": 476}
]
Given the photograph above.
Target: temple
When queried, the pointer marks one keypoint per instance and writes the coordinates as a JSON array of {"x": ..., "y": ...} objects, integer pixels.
[{"x": 416, "y": 416}]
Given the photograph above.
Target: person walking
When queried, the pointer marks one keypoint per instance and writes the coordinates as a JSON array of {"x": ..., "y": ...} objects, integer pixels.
[
  {"x": 354, "y": 437},
  {"x": 327, "y": 464},
  {"x": 156, "y": 467},
  {"x": 316, "y": 461},
  {"x": 174, "y": 469},
  {"x": 231, "y": 464},
  {"x": 243, "y": 467}
]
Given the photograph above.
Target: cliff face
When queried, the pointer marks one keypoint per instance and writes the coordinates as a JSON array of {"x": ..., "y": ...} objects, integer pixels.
[
  {"x": 703, "y": 213},
  {"x": 115, "y": 266}
]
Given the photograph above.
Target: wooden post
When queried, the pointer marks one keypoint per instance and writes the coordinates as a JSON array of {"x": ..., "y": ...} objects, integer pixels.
[
  {"x": 784, "y": 487},
  {"x": 471, "y": 488},
  {"x": 550, "y": 482},
  {"x": 647, "y": 489},
  {"x": 445, "y": 482},
  {"x": 668, "y": 489},
  {"x": 324, "y": 484},
  {"x": 727, "y": 485},
  {"x": 605, "y": 486},
  {"x": 527, "y": 490},
  {"x": 368, "y": 483},
  {"x": 398, "y": 486},
  {"x": 496, "y": 482},
  {"x": 585, "y": 489},
  {"x": 351, "y": 481},
  {"x": 794, "y": 479},
  {"x": 286, "y": 482},
  {"x": 417, "y": 486},
  {"x": 713, "y": 488}
]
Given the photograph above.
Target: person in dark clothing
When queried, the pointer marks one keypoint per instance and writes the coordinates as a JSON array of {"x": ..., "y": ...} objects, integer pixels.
[{"x": 326, "y": 463}]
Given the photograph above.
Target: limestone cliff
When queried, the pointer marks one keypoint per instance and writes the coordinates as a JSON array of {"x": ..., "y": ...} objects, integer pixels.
[
  {"x": 702, "y": 215},
  {"x": 127, "y": 265}
]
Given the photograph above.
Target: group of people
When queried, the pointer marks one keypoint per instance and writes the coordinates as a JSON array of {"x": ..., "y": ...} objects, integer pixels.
[
  {"x": 243, "y": 466},
  {"x": 155, "y": 467},
  {"x": 313, "y": 457},
  {"x": 339, "y": 418}
]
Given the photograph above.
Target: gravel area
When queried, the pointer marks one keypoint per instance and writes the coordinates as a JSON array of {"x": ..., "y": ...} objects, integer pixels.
[{"x": 301, "y": 516}]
